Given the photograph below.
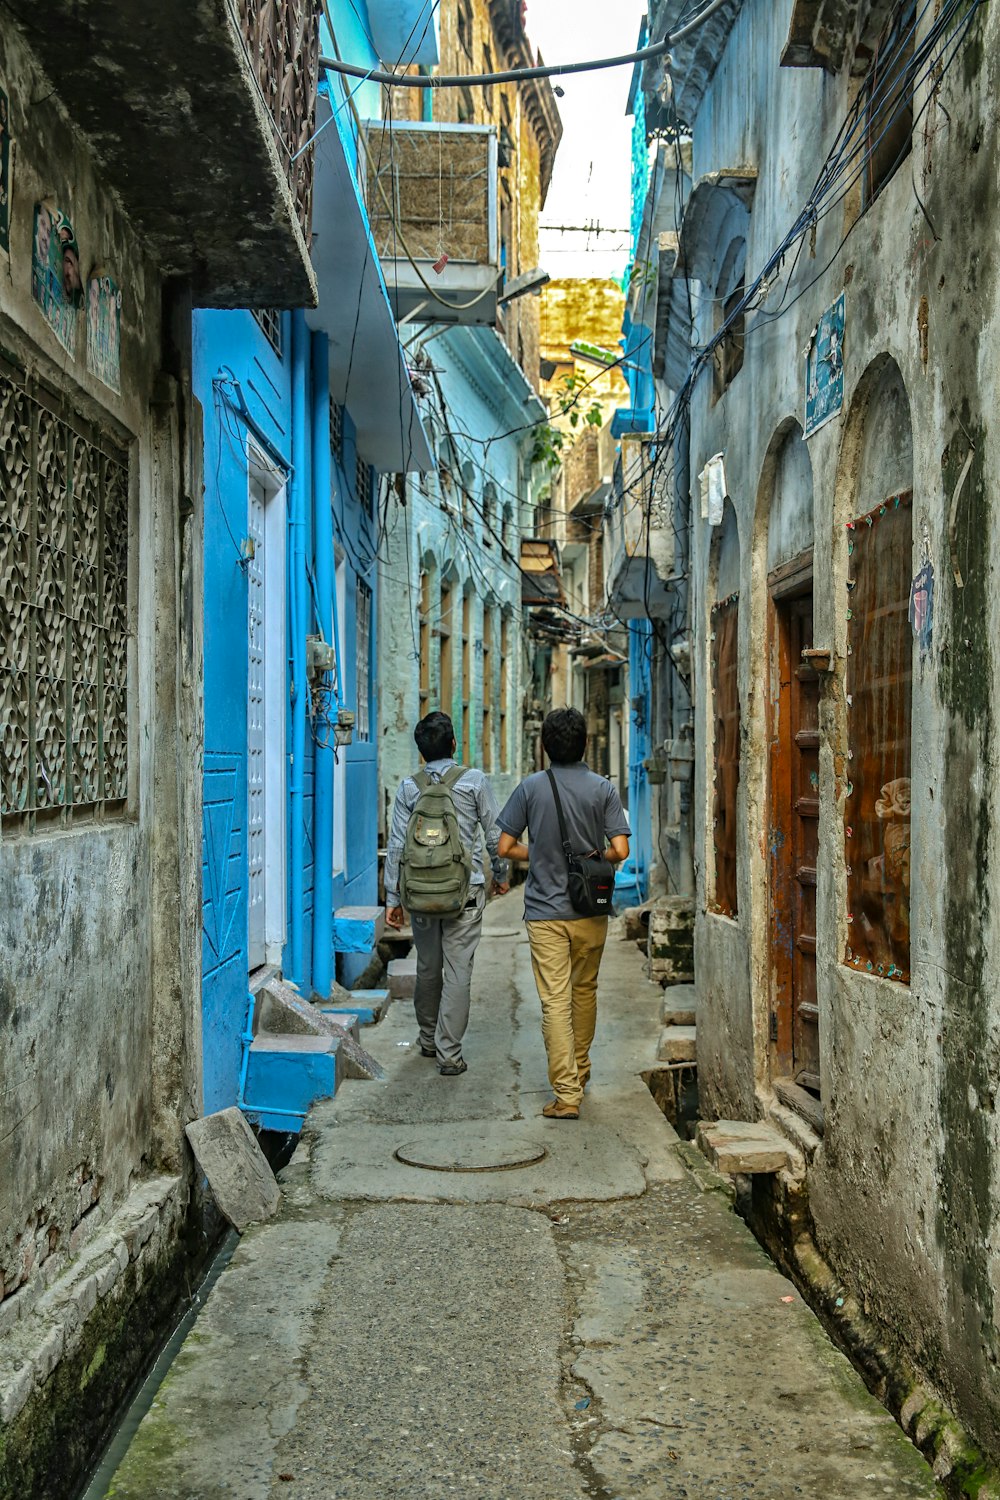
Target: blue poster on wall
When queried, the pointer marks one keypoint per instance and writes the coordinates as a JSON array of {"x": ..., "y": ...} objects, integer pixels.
[{"x": 825, "y": 368}]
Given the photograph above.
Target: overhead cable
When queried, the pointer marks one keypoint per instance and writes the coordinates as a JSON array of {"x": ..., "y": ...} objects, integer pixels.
[{"x": 521, "y": 75}]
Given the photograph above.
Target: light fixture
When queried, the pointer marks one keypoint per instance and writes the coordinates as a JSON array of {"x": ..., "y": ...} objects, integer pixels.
[{"x": 530, "y": 281}]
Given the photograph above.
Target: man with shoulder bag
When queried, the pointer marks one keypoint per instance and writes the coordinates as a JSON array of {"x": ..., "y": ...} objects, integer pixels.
[
  {"x": 577, "y": 836},
  {"x": 441, "y": 818}
]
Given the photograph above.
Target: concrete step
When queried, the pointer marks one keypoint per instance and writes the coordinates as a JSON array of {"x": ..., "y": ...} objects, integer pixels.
[
  {"x": 680, "y": 1005},
  {"x": 403, "y": 978},
  {"x": 398, "y": 935},
  {"x": 357, "y": 929},
  {"x": 795, "y": 1129},
  {"x": 677, "y": 1044},
  {"x": 736, "y": 1146},
  {"x": 286, "y": 1075},
  {"x": 368, "y": 1005}
]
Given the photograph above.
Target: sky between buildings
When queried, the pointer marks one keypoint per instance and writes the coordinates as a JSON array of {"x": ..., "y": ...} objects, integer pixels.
[{"x": 591, "y": 179}]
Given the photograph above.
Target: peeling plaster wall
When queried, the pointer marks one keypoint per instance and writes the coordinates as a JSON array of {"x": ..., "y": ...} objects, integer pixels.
[
  {"x": 98, "y": 924},
  {"x": 904, "y": 1190}
]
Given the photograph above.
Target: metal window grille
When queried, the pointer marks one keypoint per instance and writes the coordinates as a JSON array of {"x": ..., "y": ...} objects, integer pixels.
[
  {"x": 64, "y": 545},
  {"x": 269, "y": 320},
  {"x": 364, "y": 632},
  {"x": 337, "y": 429},
  {"x": 364, "y": 486}
]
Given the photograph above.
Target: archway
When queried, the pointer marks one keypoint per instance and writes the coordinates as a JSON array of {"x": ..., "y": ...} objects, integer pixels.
[{"x": 876, "y": 485}]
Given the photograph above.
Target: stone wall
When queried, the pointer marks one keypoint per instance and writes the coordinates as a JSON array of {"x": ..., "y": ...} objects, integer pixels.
[
  {"x": 904, "y": 1189},
  {"x": 99, "y": 925}
]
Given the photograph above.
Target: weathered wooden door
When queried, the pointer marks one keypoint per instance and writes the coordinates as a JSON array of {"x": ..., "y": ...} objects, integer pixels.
[{"x": 794, "y": 834}]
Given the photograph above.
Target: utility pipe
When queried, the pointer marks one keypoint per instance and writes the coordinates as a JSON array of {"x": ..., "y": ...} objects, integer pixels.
[
  {"x": 322, "y": 934},
  {"x": 298, "y": 594}
]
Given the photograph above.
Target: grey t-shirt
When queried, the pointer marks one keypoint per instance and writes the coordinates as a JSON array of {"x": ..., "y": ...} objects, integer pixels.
[{"x": 593, "y": 813}]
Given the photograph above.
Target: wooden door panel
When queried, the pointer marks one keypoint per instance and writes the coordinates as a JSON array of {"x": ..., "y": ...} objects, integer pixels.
[{"x": 794, "y": 822}]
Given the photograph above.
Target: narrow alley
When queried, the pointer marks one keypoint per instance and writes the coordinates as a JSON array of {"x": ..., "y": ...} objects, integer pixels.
[{"x": 597, "y": 1324}]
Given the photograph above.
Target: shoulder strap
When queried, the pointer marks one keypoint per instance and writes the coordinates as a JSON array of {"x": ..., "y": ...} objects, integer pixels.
[
  {"x": 567, "y": 846},
  {"x": 452, "y": 777},
  {"x": 421, "y": 781}
]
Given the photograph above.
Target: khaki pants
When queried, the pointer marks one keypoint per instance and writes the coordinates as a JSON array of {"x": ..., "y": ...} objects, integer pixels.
[{"x": 566, "y": 957}]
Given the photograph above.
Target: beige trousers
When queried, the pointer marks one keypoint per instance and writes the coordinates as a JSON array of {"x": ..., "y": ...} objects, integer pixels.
[{"x": 566, "y": 957}]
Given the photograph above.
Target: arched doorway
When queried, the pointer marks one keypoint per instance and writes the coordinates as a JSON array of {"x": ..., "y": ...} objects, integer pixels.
[{"x": 793, "y": 760}]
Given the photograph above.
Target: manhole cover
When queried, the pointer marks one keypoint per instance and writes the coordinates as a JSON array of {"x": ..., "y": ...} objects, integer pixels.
[{"x": 476, "y": 1156}]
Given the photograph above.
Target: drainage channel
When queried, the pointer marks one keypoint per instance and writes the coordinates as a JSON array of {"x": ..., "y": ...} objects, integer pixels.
[{"x": 118, "y": 1444}]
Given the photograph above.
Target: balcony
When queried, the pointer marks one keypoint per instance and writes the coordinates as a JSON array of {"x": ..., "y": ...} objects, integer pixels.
[
  {"x": 432, "y": 204},
  {"x": 638, "y": 531},
  {"x": 196, "y": 113}
]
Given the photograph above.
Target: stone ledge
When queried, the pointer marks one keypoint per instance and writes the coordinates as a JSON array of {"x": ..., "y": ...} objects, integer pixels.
[
  {"x": 51, "y": 1325},
  {"x": 678, "y": 1044},
  {"x": 744, "y": 1146}
]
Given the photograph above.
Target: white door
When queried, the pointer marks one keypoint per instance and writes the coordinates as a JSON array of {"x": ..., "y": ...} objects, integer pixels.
[{"x": 256, "y": 719}]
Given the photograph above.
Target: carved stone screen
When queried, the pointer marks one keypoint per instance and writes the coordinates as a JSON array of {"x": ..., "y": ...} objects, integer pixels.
[
  {"x": 879, "y": 678},
  {"x": 63, "y": 612},
  {"x": 726, "y": 704}
]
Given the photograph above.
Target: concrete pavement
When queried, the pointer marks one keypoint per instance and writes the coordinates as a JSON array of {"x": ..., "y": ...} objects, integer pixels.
[{"x": 594, "y": 1324}]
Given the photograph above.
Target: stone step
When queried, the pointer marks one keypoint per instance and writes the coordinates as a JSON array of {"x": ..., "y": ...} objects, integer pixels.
[
  {"x": 735, "y": 1146},
  {"x": 680, "y": 1005},
  {"x": 677, "y": 1044},
  {"x": 403, "y": 978}
]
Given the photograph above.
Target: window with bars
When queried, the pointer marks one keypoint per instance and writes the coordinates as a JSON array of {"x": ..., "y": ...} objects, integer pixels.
[
  {"x": 270, "y": 323},
  {"x": 64, "y": 545},
  {"x": 363, "y": 484},
  {"x": 726, "y": 705},
  {"x": 363, "y": 622},
  {"x": 337, "y": 430},
  {"x": 879, "y": 691}
]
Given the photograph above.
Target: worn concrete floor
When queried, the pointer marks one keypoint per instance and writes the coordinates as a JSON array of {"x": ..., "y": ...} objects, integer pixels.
[{"x": 595, "y": 1325}]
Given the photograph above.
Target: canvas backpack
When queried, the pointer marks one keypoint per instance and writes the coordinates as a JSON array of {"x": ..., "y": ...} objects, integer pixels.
[{"x": 435, "y": 867}]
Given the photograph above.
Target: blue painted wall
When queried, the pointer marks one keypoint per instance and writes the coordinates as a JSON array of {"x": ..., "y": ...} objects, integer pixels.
[
  {"x": 231, "y": 345},
  {"x": 232, "y": 339}
]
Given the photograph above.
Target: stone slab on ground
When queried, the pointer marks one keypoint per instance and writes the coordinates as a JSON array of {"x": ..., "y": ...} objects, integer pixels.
[
  {"x": 680, "y": 1005},
  {"x": 403, "y": 977},
  {"x": 282, "y": 1011},
  {"x": 242, "y": 1183},
  {"x": 677, "y": 1044},
  {"x": 745, "y": 1146}
]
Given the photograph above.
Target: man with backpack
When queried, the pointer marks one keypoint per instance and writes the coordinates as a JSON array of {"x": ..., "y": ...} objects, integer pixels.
[
  {"x": 441, "y": 819},
  {"x": 571, "y": 815}
]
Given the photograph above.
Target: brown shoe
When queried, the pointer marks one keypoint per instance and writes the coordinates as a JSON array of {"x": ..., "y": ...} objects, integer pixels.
[{"x": 556, "y": 1110}]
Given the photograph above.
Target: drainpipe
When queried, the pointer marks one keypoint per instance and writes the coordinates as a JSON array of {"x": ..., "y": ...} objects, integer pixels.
[
  {"x": 298, "y": 596},
  {"x": 322, "y": 955}
]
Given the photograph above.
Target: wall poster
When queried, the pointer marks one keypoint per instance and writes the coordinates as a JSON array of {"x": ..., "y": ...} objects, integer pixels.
[
  {"x": 56, "y": 284},
  {"x": 4, "y": 172},
  {"x": 104, "y": 338},
  {"x": 825, "y": 368}
]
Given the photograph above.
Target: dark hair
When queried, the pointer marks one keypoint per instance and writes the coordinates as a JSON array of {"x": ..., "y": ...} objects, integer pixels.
[
  {"x": 435, "y": 736},
  {"x": 564, "y": 736}
]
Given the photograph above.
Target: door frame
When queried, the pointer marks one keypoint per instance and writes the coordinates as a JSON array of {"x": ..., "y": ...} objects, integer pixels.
[
  {"x": 791, "y": 580},
  {"x": 274, "y": 485}
]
